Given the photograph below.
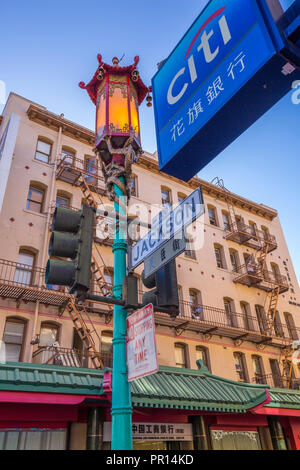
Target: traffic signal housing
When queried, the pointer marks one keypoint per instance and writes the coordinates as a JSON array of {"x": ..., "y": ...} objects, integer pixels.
[
  {"x": 164, "y": 287},
  {"x": 72, "y": 238}
]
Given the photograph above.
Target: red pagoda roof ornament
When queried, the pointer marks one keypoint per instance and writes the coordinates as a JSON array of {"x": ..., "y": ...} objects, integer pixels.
[{"x": 104, "y": 68}]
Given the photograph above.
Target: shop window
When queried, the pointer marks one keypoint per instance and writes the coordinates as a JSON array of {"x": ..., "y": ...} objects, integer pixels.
[
  {"x": 106, "y": 348},
  {"x": 24, "y": 270},
  {"x": 43, "y": 150},
  {"x": 196, "y": 304},
  {"x": 181, "y": 359},
  {"x": 226, "y": 220},
  {"x": 35, "y": 198},
  {"x": 166, "y": 197},
  {"x": 49, "y": 334},
  {"x": 241, "y": 367},
  {"x": 235, "y": 440},
  {"x": 13, "y": 337},
  {"x": 68, "y": 155},
  {"x": 33, "y": 439},
  {"x": 212, "y": 214},
  {"x": 220, "y": 257},
  {"x": 202, "y": 354},
  {"x": 292, "y": 331},
  {"x": 234, "y": 259}
]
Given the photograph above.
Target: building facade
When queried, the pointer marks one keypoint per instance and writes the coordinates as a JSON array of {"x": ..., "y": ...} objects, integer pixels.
[{"x": 239, "y": 295}]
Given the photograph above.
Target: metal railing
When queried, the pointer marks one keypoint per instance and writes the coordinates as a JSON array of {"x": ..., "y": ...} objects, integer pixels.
[
  {"x": 71, "y": 165},
  {"x": 70, "y": 357},
  {"x": 277, "y": 381},
  {"x": 255, "y": 271},
  {"x": 252, "y": 232}
]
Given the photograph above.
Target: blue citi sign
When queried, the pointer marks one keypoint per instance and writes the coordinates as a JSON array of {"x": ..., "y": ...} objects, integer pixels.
[{"x": 224, "y": 48}]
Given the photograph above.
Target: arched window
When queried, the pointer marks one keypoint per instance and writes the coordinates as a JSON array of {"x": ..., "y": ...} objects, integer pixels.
[
  {"x": 181, "y": 355},
  {"x": 196, "y": 304},
  {"x": 181, "y": 197},
  {"x": 234, "y": 258},
  {"x": 24, "y": 273},
  {"x": 261, "y": 319},
  {"x": 134, "y": 185},
  {"x": 229, "y": 311},
  {"x": 202, "y": 353},
  {"x": 220, "y": 256},
  {"x": 226, "y": 220},
  {"x": 68, "y": 155},
  {"x": 166, "y": 197},
  {"x": 49, "y": 334},
  {"x": 253, "y": 228},
  {"x": 63, "y": 199},
  {"x": 258, "y": 368},
  {"x": 43, "y": 150},
  {"x": 292, "y": 331},
  {"x": 276, "y": 272},
  {"x": 13, "y": 337},
  {"x": 241, "y": 367},
  {"x": 212, "y": 214},
  {"x": 36, "y": 196},
  {"x": 106, "y": 348},
  {"x": 265, "y": 232}
]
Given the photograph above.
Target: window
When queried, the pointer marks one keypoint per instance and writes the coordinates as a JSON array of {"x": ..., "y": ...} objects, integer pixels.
[
  {"x": 226, "y": 220},
  {"x": 245, "y": 308},
  {"x": 202, "y": 354},
  {"x": 234, "y": 258},
  {"x": 91, "y": 167},
  {"x": 276, "y": 374},
  {"x": 261, "y": 318},
  {"x": 43, "y": 151},
  {"x": 48, "y": 334},
  {"x": 195, "y": 304},
  {"x": 265, "y": 232},
  {"x": 68, "y": 155},
  {"x": 62, "y": 202},
  {"x": 219, "y": 253},
  {"x": 253, "y": 228},
  {"x": 181, "y": 197},
  {"x": 108, "y": 276},
  {"x": 276, "y": 272},
  {"x": 292, "y": 331},
  {"x": 33, "y": 439},
  {"x": 181, "y": 355},
  {"x": 240, "y": 367},
  {"x": 229, "y": 309},
  {"x": 258, "y": 369},
  {"x": 278, "y": 326},
  {"x": 106, "y": 348},
  {"x": 13, "y": 338},
  {"x": 133, "y": 186},
  {"x": 166, "y": 197},
  {"x": 35, "y": 199},
  {"x": 212, "y": 215},
  {"x": 190, "y": 253},
  {"x": 24, "y": 269}
]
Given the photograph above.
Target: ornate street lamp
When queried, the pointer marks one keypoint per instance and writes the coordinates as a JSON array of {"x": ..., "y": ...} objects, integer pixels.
[{"x": 117, "y": 93}]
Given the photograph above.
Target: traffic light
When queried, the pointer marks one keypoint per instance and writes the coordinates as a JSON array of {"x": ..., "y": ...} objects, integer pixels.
[
  {"x": 165, "y": 288},
  {"x": 72, "y": 238}
]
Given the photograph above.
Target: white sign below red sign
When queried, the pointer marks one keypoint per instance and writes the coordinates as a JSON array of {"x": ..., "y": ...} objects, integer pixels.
[{"x": 141, "y": 344}]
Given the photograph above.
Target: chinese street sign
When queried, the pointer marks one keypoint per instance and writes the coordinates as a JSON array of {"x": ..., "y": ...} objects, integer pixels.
[
  {"x": 155, "y": 431},
  {"x": 164, "y": 254},
  {"x": 141, "y": 344},
  {"x": 167, "y": 225},
  {"x": 223, "y": 75}
]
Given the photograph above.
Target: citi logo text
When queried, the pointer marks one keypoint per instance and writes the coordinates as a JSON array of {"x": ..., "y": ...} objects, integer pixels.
[{"x": 208, "y": 53}]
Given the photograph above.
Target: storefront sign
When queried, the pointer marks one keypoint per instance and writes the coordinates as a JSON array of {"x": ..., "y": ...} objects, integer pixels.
[
  {"x": 141, "y": 344},
  {"x": 155, "y": 432}
]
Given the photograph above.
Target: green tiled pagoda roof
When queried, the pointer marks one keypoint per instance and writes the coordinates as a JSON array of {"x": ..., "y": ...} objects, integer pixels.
[{"x": 171, "y": 387}]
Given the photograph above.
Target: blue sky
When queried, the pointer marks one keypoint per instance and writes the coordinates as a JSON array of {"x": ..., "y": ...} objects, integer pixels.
[{"x": 48, "y": 47}]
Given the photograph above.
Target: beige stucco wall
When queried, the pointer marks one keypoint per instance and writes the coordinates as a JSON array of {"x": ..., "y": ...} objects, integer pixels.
[{"x": 29, "y": 229}]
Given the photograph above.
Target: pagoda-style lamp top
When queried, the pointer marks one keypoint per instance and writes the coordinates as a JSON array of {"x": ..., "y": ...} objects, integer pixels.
[{"x": 117, "y": 93}]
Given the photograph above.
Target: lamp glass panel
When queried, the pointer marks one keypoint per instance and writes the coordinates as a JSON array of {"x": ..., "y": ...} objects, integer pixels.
[{"x": 118, "y": 109}]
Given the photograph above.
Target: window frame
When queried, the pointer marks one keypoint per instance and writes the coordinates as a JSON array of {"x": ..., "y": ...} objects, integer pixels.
[
  {"x": 213, "y": 220},
  {"x": 183, "y": 347},
  {"x": 168, "y": 191},
  {"x": 21, "y": 321},
  {"x": 32, "y": 187},
  {"x": 44, "y": 141}
]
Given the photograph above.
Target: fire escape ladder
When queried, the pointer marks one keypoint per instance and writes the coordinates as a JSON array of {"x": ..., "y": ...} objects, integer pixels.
[
  {"x": 285, "y": 362},
  {"x": 98, "y": 275},
  {"x": 91, "y": 201},
  {"x": 85, "y": 333},
  {"x": 272, "y": 308}
]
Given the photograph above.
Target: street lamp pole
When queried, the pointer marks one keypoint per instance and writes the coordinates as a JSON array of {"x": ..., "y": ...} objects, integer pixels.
[{"x": 117, "y": 93}]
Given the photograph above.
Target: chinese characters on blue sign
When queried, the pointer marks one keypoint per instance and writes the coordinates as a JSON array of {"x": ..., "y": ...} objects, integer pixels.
[{"x": 195, "y": 89}]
